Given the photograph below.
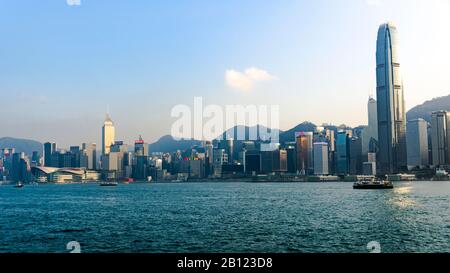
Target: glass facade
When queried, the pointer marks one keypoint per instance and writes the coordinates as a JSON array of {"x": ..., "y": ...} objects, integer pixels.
[{"x": 390, "y": 103}]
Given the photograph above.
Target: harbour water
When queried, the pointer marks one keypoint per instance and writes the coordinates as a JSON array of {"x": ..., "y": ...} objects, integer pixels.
[{"x": 225, "y": 217}]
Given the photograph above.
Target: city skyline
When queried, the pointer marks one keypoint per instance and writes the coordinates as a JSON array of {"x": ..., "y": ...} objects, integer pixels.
[{"x": 72, "y": 76}]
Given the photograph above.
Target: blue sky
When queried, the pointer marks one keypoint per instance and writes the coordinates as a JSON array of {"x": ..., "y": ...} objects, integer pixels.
[{"x": 63, "y": 66}]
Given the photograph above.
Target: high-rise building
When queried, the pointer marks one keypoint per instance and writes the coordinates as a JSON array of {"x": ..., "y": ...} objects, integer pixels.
[
  {"x": 253, "y": 162},
  {"x": 291, "y": 158},
  {"x": 108, "y": 135},
  {"x": 35, "y": 159},
  {"x": 49, "y": 149},
  {"x": 370, "y": 133},
  {"x": 343, "y": 152},
  {"x": 220, "y": 158},
  {"x": 140, "y": 147},
  {"x": 304, "y": 149},
  {"x": 440, "y": 137},
  {"x": 355, "y": 160},
  {"x": 76, "y": 155},
  {"x": 89, "y": 156},
  {"x": 417, "y": 142},
  {"x": 390, "y": 103},
  {"x": 321, "y": 158}
]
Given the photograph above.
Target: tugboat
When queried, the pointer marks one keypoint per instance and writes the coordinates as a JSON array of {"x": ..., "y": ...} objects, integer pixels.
[
  {"x": 373, "y": 185},
  {"x": 18, "y": 185}
]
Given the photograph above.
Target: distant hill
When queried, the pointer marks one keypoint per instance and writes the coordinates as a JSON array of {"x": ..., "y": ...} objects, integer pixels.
[
  {"x": 424, "y": 110},
  {"x": 169, "y": 144},
  {"x": 289, "y": 136},
  {"x": 21, "y": 145}
]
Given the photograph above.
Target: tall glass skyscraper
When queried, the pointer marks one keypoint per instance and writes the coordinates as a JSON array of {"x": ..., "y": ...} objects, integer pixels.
[{"x": 390, "y": 103}]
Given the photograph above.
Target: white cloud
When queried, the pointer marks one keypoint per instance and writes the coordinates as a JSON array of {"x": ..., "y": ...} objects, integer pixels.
[
  {"x": 246, "y": 81},
  {"x": 73, "y": 2}
]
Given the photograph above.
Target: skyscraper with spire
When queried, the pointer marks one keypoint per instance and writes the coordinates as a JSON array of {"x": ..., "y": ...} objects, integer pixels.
[
  {"x": 108, "y": 135},
  {"x": 391, "y": 157}
]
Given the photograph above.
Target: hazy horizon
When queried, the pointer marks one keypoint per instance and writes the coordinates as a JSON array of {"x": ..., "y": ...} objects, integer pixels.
[{"x": 64, "y": 66}]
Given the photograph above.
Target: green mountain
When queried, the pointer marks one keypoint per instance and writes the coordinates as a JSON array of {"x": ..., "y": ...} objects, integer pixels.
[{"x": 424, "y": 110}]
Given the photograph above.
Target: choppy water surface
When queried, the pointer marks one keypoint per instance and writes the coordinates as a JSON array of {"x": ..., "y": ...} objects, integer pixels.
[{"x": 225, "y": 217}]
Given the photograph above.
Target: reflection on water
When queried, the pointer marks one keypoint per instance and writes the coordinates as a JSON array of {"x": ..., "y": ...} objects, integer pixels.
[
  {"x": 226, "y": 217},
  {"x": 401, "y": 197}
]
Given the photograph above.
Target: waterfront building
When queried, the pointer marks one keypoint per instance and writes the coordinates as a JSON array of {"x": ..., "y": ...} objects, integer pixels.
[
  {"x": 88, "y": 158},
  {"x": 75, "y": 156},
  {"x": 279, "y": 161},
  {"x": 417, "y": 143},
  {"x": 16, "y": 167},
  {"x": 304, "y": 150},
  {"x": 291, "y": 158},
  {"x": 342, "y": 153},
  {"x": 355, "y": 154},
  {"x": 49, "y": 149},
  {"x": 118, "y": 151},
  {"x": 252, "y": 162},
  {"x": 220, "y": 158},
  {"x": 108, "y": 135},
  {"x": 266, "y": 162},
  {"x": 440, "y": 138},
  {"x": 390, "y": 103},
  {"x": 370, "y": 133},
  {"x": 140, "y": 147},
  {"x": 228, "y": 146},
  {"x": 196, "y": 169},
  {"x": 321, "y": 158},
  {"x": 35, "y": 159}
]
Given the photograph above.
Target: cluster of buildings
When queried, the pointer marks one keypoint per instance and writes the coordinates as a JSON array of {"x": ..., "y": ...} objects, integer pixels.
[{"x": 387, "y": 145}]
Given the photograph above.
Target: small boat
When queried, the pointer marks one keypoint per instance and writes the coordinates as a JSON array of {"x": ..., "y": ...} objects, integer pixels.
[
  {"x": 373, "y": 185},
  {"x": 109, "y": 184},
  {"x": 18, "y": 185}
]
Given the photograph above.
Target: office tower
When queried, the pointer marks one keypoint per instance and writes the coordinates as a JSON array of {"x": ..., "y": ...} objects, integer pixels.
[
  {"x": 35, "y": 159},
  {"x": 440, "y": 138},
  {"x": 321, "y": 158},
  {"x": 108, "y": 135},
  {"x": 266, "y": 161},
  {"x": 355, "y": 160},
  {"x": 16, "y": 166},
  {"x": 49, "y": 149},
  {"x": 128, "y": 164},
  {"x": 370, "y": 167},
  {"x": 76, "y": 155},
  {"x": 220, "y": 158},
  {"x": 291, "y": 157},
  {"x": 390, "y": 103},
  {"x": 118, "y": 151},
  {"x": 140, "y": 147},
  {"x": 342, "y": 153},
  {"x": 228, "y": 146},
  {"x": 252, "y": 162},
  {"x": 209, "y": 152},
  {"x": 141, "y": 162},
  {"x": 417, "y": 142},
  {"x": 67, "y": 159},
  {"x": 55, "y": 160},
  {"x": 304, "y": 147},
  {"x": 196, "y": 168},
  {"x": 280, "y": 161},
  {"x": 89, "y": 154},
  {"x": 370, "y": 133}
]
